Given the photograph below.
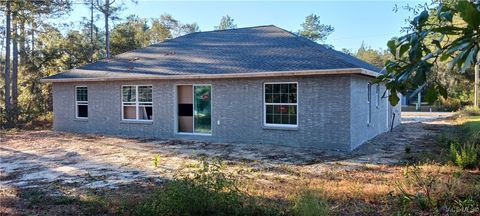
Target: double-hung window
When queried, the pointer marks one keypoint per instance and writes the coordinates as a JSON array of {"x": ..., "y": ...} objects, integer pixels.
[
  {"x": 280, "y": 104},
  {"x": 137, "y": 102},
  {"x": 81, "y": 102}
]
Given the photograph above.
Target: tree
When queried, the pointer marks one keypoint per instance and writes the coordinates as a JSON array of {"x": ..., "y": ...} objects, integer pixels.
[
  {"x": 108, "y": 8},
  {"x": 448, "y": 32},
  {"x": 226, "y": 23},
  {"x": 314, "y": 30},
  {"x": 189, "y": 28},
  {"x": 158, "y": 32},
  {"x": 8, "y": 33},
  {"x": 129, "y": 35},
  {"x": 14, "y": 112},
  {"x": 377, "y": 58}
]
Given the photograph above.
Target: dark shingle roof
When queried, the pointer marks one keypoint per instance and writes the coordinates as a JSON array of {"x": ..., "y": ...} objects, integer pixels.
[{"x": 244, "y": 50}]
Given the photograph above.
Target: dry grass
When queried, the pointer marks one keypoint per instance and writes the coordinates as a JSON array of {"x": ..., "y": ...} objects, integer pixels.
[{"x": 362, "y": 183}]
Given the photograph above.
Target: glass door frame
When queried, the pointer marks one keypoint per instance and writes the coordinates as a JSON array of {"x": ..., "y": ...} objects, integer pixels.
[{"x": 193, "y": 107}]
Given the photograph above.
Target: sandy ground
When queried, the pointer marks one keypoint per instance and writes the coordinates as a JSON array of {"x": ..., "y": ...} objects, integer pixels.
[
  {"x": 424, "y": 116},
  {"x": 38, "y": 159}
]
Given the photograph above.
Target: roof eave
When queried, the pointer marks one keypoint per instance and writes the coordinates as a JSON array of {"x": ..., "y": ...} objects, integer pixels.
[{"x": 358, "y": 71}]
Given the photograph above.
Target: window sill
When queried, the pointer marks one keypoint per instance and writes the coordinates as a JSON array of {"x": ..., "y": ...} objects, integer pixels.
[
  {"x": 81, "y": 119},
  {"x": 135, "y": 122},
  {"x": 271, "y": 127}
]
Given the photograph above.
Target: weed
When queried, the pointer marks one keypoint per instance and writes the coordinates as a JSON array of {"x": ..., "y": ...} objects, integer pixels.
[
  {"x": 423, "y": 186},
  {"x": 309, "y": 203},
  {"x": 156, "y": 161},
  {"x": 465, "y": 156},
  {"x": 408, "y": 149},
  {"x": 209, "y": 191}
]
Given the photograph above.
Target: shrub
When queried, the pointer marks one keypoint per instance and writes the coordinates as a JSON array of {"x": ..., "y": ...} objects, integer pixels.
[
  {"x": 465, "y": 156},
  {"x": 408, "y": 149},
  {"x": 208, "y": 192},
  {"x": 308, "y": 203},
  {"x": 423, "y": 185},
  {"x": 449, "y": 104},
  {"x": 471, "y": 111}
]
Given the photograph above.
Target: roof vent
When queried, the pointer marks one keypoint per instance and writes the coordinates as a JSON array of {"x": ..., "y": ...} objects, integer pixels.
[
  {"x": 133, "y": 59},
  {"x": 170, "y": 53}
]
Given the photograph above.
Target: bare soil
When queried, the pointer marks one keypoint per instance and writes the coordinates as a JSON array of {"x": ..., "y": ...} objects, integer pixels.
[{"x": 67, "y": 164}]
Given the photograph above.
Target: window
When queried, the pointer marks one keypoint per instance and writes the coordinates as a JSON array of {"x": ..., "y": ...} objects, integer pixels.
[
  {"x": 377, "y": 94},
  {"x": 280, "y": 104},
  {"x": 137, "y": 103},
  {"x": 369, "y": 102},
  {"x": 81, "y": 102}
]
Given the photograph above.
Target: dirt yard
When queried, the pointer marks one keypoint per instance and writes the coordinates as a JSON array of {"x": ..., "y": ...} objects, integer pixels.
[{"x": 58, "y": 163}]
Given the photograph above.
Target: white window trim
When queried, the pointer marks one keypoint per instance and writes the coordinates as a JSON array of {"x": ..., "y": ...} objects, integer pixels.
[
  {"x": 193, "y": 104},
  {"x": 265, "y": 107},
  {"x": 80, "y": 102},
  {"x": 136, "y": 104}
]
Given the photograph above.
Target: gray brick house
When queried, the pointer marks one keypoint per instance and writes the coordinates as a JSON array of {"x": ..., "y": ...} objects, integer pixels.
[{"x": 249, "y": 85}]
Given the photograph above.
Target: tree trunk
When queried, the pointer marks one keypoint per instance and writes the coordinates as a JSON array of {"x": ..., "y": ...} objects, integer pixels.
[
  {"x": 107, "y": 32},
  {"x": 92, "y": 44},
  {"x": 32, "y": 49},
  {"x": 476, "y": 83},
  {"x": 7, "y": 64},
  {"x": 21, "y": 41},
  {"x": 15, "y": 71}
]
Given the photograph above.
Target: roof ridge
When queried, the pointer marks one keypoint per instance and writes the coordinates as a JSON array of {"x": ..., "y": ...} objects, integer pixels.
[
  {"x": 322, "y": 47},
  {"x": 191, "y": 34},
  {"x": 233, "y": 29}
]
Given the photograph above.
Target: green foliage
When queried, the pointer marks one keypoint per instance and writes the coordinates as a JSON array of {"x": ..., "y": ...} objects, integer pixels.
[
  {"x": 314, "y": 30},
  {"x": 226, "y": 23},
  {"x": 449, "y": 104},
  {"x": 434, "y": 35},
  {"x": 156, "y": 161},
  {"x": 372, "y": 56},
  {"x": 423, "y": 184},
  {"x": 308, "y": 203},
  {"x": 465, "y": 156},
  {"x": 208, "y": 192},
  {"x": 408, "y": 149},
  {"x": 53, "y": 51},
  {"x": 471, "y": 111}
]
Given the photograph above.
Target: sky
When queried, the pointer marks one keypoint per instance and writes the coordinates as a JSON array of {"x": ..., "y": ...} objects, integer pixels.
[{"x": 370, "y": 22}]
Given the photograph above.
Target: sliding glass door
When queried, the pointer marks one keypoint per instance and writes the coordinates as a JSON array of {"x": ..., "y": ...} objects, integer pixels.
[{"x": 194, "y": 109}]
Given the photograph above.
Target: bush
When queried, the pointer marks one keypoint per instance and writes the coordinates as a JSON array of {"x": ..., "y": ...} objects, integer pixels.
[
  {"x": 471, "y": 111},
  {"x": 308, "y": 203},
  {"x": 208, "y": 192},
  {"x": 449, "y": 104},
  {"x": 465, "y": 156}
]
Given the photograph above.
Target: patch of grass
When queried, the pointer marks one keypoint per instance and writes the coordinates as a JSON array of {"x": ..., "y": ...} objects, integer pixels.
[
  {"x": 463, "y": 142},
  {"x": 208, "y": 192},
  {"x": 309, "y": 203},
  {"x": 428, "y": 189},
  {"x": 465, "y": 156}
]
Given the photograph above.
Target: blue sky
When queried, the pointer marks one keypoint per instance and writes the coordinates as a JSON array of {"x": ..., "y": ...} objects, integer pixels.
[{"x": 372, "y": 22}]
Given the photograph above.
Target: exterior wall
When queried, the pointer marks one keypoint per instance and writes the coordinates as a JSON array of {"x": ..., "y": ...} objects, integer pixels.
[
  {"x": 237, "y": 111},
  {"x": 381, "y": 118}
]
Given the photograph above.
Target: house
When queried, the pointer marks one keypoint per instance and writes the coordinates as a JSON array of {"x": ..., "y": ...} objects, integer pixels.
[{"x": 249, "y": 85}]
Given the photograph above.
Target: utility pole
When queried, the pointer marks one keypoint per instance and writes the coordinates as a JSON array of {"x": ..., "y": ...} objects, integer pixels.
[{"x": 476, "y": 84}]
